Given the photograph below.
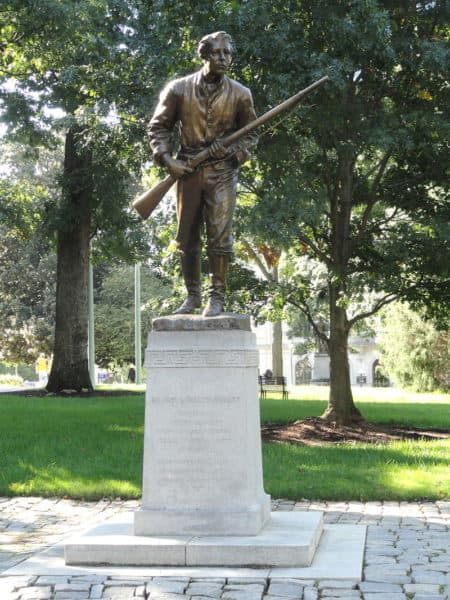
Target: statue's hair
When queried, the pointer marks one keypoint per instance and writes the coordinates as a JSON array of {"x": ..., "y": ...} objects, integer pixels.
[{"x": 204, "y": 45}]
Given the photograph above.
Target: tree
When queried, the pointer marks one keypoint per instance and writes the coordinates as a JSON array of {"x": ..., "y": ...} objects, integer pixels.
[
  {"x": 27, "y": 295},
  {"x": 114, "y": 312},
  {"x": 356, "y": 179},
  {"x": 267, "y": 259},
  {"x": 27, "y": 263},
  {"x": 50, "y": 87},
  {"x": 415, "y": 354}
]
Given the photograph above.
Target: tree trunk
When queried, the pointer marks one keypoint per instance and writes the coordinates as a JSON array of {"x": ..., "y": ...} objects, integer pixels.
[
  {"x": 341, "y": 408},
  {"x": 277, "y": 349},
  {"x": 277, "y": 331},
  {"x": 70, "y": 359}
]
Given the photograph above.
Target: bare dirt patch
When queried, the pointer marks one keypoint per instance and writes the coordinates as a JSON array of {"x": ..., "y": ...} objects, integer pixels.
[{"x": 315, "y": 431}]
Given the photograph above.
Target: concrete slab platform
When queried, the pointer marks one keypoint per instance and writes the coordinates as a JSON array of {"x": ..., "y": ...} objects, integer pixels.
[
  {"x": 289, "y": 540},
  {"x": 338, "y": 556}
]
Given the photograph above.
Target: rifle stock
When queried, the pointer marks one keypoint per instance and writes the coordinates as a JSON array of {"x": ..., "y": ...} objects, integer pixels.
[{"x": 149, "y": 200}]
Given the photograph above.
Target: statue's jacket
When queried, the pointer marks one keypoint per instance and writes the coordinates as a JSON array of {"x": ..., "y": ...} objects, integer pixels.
[{"x": 202, "y": 115}]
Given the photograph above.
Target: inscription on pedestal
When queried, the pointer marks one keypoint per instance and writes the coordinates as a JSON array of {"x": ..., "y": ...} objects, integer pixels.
[
  {"x": 202, "y": 447},
  {"x": 202, "y": 457}
]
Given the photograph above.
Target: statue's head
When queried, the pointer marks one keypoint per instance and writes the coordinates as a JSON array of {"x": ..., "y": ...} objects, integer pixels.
[{"x": 216, "y": 51}]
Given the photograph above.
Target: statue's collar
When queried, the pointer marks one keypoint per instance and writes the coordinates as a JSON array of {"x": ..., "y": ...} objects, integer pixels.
[{"x": 208, "y": 88}]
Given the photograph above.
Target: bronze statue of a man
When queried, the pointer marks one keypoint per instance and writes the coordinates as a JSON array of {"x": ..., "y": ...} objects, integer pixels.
[{"x": 206, "y": 106}]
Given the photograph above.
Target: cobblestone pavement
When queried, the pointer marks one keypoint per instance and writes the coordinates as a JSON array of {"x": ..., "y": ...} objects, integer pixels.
[{"x": 407, "y": 556}]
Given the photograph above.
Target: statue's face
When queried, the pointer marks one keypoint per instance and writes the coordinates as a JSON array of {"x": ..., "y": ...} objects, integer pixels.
[{"x": 219, "y": 59}]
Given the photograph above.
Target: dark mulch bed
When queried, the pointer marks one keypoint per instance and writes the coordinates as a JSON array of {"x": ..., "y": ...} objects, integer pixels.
[{"x": 315, "y": 431}]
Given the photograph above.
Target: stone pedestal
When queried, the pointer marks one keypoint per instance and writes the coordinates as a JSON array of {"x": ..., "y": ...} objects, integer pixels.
[
  {"x": 203, "y": 499},
  {"x": 202, "y": 447}
]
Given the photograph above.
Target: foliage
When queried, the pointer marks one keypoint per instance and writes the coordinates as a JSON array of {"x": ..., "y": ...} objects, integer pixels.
[
  {"x": 114, "y": 312},
  {"x": 27, "y": 262},
  {"x": 414, "y": 352},
  {"x": 354, "y": 179},
  {"x": 27, "y": 286}
]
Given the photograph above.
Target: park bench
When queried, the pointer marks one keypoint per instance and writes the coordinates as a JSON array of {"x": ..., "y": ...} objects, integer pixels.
[{"x": 272, "y": 384}]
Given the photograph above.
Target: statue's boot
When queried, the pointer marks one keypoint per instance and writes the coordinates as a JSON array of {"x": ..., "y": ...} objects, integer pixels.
[
  {"x": 218, "y": 265},
  {"x": 191, "y": 269}
]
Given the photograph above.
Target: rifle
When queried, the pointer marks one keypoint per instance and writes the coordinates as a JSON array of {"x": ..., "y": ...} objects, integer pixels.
[{"x": 149, "y": 200}]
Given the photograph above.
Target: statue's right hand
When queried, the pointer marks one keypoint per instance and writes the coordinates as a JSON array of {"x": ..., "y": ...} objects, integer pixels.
[{"x": 177, "y": 168}]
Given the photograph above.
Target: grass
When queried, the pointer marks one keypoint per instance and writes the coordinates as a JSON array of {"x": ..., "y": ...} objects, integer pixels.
[
  {"x": 92, "y": 447},
  {"x": 82, "y": 448},
  {"x": 398, "y": 471}
]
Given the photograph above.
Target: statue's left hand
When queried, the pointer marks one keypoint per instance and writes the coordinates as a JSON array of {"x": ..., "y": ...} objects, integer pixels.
[{"x": 217, "y": 150}]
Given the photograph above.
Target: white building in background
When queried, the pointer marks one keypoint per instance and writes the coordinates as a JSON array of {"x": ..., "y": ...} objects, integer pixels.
[{"x": 314, "y": 367}]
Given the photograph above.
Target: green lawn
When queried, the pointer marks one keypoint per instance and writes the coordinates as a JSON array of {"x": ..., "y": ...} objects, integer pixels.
[
  {"x": 92, "y": 447},
  {"x": 89, "y": 447}
]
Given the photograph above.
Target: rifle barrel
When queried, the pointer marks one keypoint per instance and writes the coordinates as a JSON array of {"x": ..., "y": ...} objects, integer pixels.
[{"x": 273, "y": 112}]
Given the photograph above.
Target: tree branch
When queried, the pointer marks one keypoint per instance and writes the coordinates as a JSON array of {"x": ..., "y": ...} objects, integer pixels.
[
  {"x": 382, "y": 302},
  {"x": 308, "y": 241},
  {"x": 265, "y": 271},
  {"x": 308, "y": 314}
]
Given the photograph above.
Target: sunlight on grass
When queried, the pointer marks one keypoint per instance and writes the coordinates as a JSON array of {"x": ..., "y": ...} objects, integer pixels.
[
  {"x": 53, "y": 480},
  {"x": 397, "y": 471},
  {"x": 92, "y": 448},
  {"x": 368, "y": 394}
]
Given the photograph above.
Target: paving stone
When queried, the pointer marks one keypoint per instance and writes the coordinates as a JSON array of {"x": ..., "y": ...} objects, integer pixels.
[
  {"x": 339, "y": 593},
  {"x": 92, "y": 579},
  {"x": 221, "y": 580},
  {"x": 310, "y": 593},
  {"x": 158, "y": 586},
  {"x": 330, "y": 583},
  {"x": 185, "y": 580},
  {"x": 36, "y": 593},
  {"x": 291, "y": 589},
  {"x": 124, "y": 582},
  {"x": 72, "y": 587},
  {"x": 428, "y": 577},
  {"x": 245, "y": 587},
  {"x": 198, "y": 588},
  {"x": 269, "y": 597},
  {"x": 430, "y": 597},
  {"x": 119, "y": 593},
  {"x": 425, "y": 588},
  {"x": 96, "y": 591},
  {"x": 241, "y": 595},
  {"x": 379, "y": 587},
  {"x": 52, "y": 579},
  {"x": 384, "y": 596},
  {"x": 407, "y": 543},
  {"x": 165, "y": 596},
  {"x": 70, "y": 596},
  {"x": 233, "y": 580}
]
